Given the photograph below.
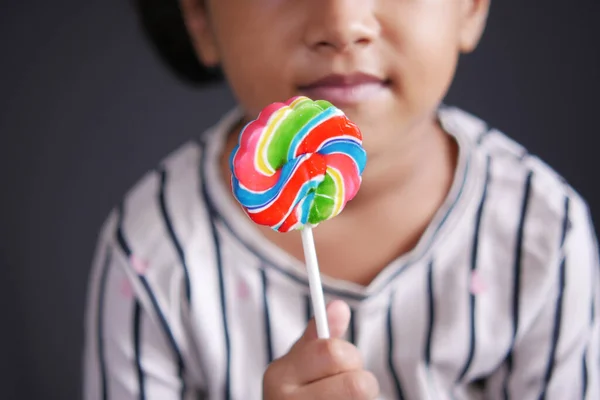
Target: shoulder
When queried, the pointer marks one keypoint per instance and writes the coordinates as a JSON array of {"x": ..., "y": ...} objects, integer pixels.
[
  {"x": 167, "y": 211},
  {"x": 161, "y": 211},
  {"x": 528, "y": 202},
  {"x": 519, "y": 172}
]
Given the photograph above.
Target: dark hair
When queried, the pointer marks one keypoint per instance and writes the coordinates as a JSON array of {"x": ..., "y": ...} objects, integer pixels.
[{"x": 163, "y": 25}]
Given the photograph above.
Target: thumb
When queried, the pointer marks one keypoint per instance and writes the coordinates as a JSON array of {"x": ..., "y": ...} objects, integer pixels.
[{"x": 338, "y": 318}]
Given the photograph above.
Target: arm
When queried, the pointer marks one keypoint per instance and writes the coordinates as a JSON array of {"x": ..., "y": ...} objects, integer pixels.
[
  {"x": 557, "y": 355},
  {"x": 128, "y": 352}
]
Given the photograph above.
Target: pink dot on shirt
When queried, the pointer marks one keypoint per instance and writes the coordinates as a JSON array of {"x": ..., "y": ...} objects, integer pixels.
[
  {"x": 140, "y": 266},
  {"x": 126, "y": 289},
  {"x": 478, "y": 286},
  {"x": 243, "y": 291}
]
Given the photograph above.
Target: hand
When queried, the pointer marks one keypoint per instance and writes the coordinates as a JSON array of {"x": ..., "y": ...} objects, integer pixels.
[{"x": 318, "y": 369}]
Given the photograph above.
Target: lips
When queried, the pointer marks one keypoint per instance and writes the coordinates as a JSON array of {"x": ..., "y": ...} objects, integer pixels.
[{"x": 345, "y": 89}]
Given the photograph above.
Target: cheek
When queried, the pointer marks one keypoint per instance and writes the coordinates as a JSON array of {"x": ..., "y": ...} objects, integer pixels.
[
  {"x": 426, "y": 41},
  {"x": 256, "y": 83},
  {"x": 255, "y": 61},
  {"x": 435, "y": 59}
]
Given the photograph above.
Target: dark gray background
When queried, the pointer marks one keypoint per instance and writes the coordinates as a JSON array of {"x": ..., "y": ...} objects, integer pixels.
[{"x": 85, "y": 110}]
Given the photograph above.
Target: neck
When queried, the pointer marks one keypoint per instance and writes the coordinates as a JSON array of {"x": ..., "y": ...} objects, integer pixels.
[{"x": 420, "y": 165}]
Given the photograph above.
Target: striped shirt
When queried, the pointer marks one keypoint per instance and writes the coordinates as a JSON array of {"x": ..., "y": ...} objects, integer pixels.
[{"x": 498, "y": 300}]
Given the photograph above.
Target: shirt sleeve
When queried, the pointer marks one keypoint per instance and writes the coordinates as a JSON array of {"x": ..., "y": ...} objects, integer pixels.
[
  {"x": 557, "y": 357},
  {"x": 134, "y": 341}
]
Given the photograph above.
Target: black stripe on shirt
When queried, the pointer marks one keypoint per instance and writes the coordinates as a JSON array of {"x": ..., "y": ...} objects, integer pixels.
[
  {"x": 517, "y": 277},
  {"x": 267, "y": 316},
  {"x": 100, "y": 323},
  {"x": 137, "y": 350},
  {"x": 559, "y": 305},
  {"x": 584, "y": 384},
  {"x": 431, "y": 322},
  {"x": 592, "y": 318},
  {"x": 566, "y": 223},
  {"x": 474, "y": 252},
  {"x": 390, "y": 338},
  {"x": 593, "y": 282},
  {"x": 307, "y": 308},
  {"x": 352, "y": 327},
  {"x": 163, "y": 321},
  {"x": 136, "y": 311},
  {"x": 120, "y": 236},
  {"x": 172, "y": 235},
  {"x": 219, "y": 261},
  {"x": 584, "y": 375},
  {"x": 223, "y": 309},
  {"x": 556, "y": 330}
]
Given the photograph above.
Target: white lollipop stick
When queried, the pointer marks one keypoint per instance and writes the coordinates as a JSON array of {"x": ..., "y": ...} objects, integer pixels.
[{"x": 314, "y": 282}]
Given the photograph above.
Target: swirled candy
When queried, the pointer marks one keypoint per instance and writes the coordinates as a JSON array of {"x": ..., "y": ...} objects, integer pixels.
[{"x": 297, "y": 164}]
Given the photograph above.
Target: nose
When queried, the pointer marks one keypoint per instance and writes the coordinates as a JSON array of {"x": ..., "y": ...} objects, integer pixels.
[{"x": 341, "y": 25}]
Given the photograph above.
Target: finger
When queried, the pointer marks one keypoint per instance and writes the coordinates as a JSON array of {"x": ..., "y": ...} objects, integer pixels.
[
  {"x": 338, "y": 319},
  {"x": 353, "y": 385},
  {"x": 319, "y": 359}
]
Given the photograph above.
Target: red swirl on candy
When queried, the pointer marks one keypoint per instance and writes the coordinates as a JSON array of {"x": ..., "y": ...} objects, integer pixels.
[{"x": 297, "y": 164}]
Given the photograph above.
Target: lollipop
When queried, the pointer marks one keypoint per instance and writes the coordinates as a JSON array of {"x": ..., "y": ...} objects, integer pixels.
[{"x": 295, "y": 166}]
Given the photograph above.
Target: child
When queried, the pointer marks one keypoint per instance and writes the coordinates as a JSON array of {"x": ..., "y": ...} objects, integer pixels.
[{"x": 465, "y": 268}]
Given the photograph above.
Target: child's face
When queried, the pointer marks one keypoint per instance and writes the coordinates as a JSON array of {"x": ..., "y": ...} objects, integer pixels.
[{"x": 386, "y": 63}]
